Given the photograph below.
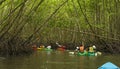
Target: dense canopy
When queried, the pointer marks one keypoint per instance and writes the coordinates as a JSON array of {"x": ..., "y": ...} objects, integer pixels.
[{"x": 26, "y": 22}]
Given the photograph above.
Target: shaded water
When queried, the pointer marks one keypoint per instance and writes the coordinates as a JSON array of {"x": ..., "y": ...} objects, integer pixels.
[{"x": 56, "y": 60}]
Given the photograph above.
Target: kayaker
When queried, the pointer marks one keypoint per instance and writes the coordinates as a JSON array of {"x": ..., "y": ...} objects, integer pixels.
[
  {"x": 81, "y": 48},
  {"x": 91, "y": 49},
  {"x": 49, "y": 47},
  {"x": 41, "y": 46},
  {"x": 63, "y": 47},
  {"x": 60, "y": 47},
  {"x": 34, "y": 47}
]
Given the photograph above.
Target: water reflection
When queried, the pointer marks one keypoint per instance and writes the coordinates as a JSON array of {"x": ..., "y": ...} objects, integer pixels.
[{"x": 56, "y": 60}]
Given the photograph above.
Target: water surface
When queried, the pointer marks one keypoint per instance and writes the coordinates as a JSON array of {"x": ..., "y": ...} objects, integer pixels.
[{"x": 56, "y": 60}]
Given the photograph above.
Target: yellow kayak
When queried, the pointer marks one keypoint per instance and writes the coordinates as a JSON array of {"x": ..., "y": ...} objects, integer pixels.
[{"x": 40, "y": 48}]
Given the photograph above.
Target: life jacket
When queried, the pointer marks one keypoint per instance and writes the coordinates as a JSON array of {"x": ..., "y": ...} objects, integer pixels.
[{"x": 81, "y": 48}]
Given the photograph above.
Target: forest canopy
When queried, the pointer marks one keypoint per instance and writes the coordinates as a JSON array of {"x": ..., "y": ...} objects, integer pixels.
[{"x": 25, "y": 22}]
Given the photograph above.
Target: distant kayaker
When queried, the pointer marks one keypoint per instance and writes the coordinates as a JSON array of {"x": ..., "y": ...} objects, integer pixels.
[
  {"x": 41, "y": 46},
  {"x": 60, "y": 47},
  {"x": 34, "y": 47},
  {"x": 63, "y": 47},
  {"x": 49, "y": 47},
  {"x": 81, "y": 48},
  {"x": 92, "y": 48}
]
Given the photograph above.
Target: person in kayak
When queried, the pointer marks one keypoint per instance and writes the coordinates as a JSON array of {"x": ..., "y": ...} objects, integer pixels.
[
  {"x": 41, "y": 46},
  {"x": 34, "y": 47},
  {"x": 63, "y": 47},
  {"x": 49, "y": 47},
  {"x": 60, "y": 47},
  {"x": 92, "y": 48},
  {"x": 81, "y": 48}
]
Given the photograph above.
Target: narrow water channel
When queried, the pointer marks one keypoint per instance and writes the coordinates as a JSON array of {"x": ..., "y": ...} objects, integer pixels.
[{"x": 56, "y": 60}]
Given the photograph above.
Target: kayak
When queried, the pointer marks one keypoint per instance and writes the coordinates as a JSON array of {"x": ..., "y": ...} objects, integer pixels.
[
  {"x": 91, "y": 54},
  {"x": 108, "y": 65},
  {"x": 60, "y": 49},
  {"x": 86, "y": 53},
  {"x": 46, "y": 49},
  {"x": 40, "y": 49},
  {"x": 82, "y": 53}
]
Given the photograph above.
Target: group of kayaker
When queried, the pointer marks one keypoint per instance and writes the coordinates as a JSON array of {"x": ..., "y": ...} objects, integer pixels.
[
  {"x": 89, "y": 51},
  {"x": 41, "y": 47},
  {"x": 81, "y": 48}
]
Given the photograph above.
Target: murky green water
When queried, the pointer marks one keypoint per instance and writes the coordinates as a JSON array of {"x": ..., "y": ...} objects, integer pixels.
[{"x": 56, "y": 60}]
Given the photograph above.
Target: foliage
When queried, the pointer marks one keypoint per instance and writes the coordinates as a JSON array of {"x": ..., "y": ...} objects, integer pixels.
[{"x": 71, "y": 21}]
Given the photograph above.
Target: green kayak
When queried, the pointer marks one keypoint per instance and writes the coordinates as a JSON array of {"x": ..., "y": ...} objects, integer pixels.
[
  {"x": 46, "y": 49},
  {"x": 82, "y": 53},
  {"x": 86, "y": 53},
  {"x": 91, "y": 54}
]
